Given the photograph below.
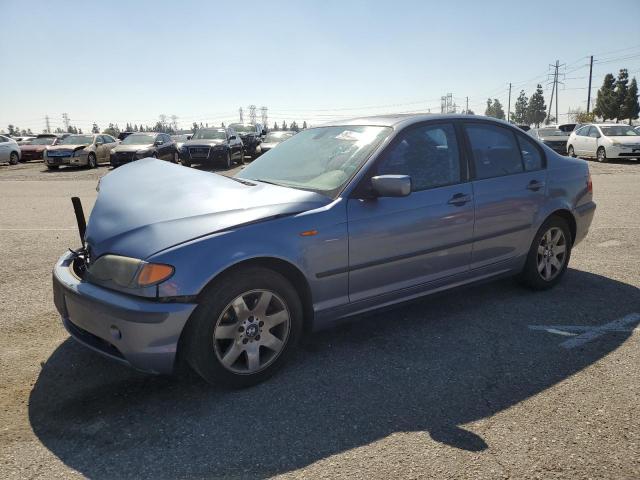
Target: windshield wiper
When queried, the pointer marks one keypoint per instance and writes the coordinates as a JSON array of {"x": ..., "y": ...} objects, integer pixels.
[{"x": 270, "y": 183}]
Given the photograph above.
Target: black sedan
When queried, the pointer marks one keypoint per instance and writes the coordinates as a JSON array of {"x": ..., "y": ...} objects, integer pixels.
[
  {"x": 553, "y": 137},
  {"x": 213, "y": 145},
  {"x": 143, "y": 145}
]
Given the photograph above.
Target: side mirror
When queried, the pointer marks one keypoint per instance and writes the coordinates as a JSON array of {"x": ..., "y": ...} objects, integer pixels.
[
  {"x": 232, "y": 137},
  {"x": 391, "y": 185},
  {"x": 98, "y": 143},
  {"x": 264, "y": 132},
  {"x": 158, "y": 142}
]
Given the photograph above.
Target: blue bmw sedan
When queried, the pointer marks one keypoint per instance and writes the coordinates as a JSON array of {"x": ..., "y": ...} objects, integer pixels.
[{"x": 229, "y": 273}]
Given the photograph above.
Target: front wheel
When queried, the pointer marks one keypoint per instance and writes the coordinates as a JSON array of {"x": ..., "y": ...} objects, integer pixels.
[
  {"x": 245, "y": 328},
  {"x": 570, "y": 151},
  {"x": 601, "y": 155},
  {"x": 91, "y": 161},
  {"x": 227, "y": 161},
  {"x": 549, "y": 255},
  {"x": 175, "y": 158},
  {"x": 14, "y": 158}
]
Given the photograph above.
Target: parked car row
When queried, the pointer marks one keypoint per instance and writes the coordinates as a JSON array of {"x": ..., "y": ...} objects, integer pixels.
[{"x": 601, "y": 141}]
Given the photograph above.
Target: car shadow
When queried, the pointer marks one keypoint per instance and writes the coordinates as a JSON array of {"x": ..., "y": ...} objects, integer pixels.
[{"x": 430, "y": 366}]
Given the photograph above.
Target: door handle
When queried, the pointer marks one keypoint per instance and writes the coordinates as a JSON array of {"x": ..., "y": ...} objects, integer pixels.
[
  {"x": 459, "y": 199},
  {"x": 535, "y": 185}
]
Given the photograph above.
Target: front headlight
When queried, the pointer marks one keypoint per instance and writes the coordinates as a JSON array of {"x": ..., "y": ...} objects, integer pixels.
[
  {"x": 79, "y": 153},
  {"x": 142, "y": 153},
  {"x": 129, "y": 272}
]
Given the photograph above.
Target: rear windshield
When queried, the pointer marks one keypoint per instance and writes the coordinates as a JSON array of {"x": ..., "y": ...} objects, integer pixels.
[{"x": 552, "y": 132}]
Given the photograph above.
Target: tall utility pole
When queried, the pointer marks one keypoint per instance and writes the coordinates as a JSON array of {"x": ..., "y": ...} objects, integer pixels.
[
  {"x": 240, "y": 112},
  {"x": 46, "y": 122},
  {"x": 446, "y": 104},
  {"x": 65, "y": 120},
  {"x": 509, "y": 105},
  {"x": 263, "y": 117},
  {"x": 467, "y": 108},
  {"x": 252, "y": 114},
  {"x": 556, "y": 67},
  {"x": 589, "y": 91},
  {"x": 557, "y": 93}
]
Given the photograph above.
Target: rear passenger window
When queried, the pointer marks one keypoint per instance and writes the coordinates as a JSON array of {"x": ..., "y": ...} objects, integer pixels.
[
  {"x": 427, "y": 153},
  {"x": 495, "y": 151},
  {"x": 531, "y": 156}
]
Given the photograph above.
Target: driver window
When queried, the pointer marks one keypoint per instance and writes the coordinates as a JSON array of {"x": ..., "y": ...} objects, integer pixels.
[
  {"x": 593, "y": 132},
  {"x": 427, "y": 153}
]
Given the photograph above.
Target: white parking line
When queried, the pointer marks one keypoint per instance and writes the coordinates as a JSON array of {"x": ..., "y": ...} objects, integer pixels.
[{"x": 582, "y": 334}]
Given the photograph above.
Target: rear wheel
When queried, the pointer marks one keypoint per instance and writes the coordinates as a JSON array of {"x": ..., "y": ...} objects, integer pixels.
[
  {"x": 14, "y": 158},
  {"x": 245, "y": 328},
  {"x": 91, "y": 161},
  {"x": 570, "y": 151},
  {"x": 549, "y": 255},
  {"x": 601, "y": 155}
]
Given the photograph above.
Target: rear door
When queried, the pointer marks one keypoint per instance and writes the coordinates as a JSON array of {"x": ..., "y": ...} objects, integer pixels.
[
  {"x": 591, "y": 142},
  {"x": 509, "y": 189},
  {"x": 400, "y": 242}
]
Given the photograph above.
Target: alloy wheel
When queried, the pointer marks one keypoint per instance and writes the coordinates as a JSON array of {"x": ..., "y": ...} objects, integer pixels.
[
  {"x": 251, "y": 332},
  {"x": 552, "y": 253},
  {"x": 601, "y": 155}
]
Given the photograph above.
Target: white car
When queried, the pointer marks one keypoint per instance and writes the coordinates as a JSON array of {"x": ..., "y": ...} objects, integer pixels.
[
  {"x": 9, "y": 150},
  {"x": 604, "y": 141}
]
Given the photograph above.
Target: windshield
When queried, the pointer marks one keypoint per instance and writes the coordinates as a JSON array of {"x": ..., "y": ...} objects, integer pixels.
[
  {"x": 618, "y": 131},
  {"x": 552, "y": 132},
  {"x": 319, "y": 159},
  {"x": 209, "y": 135},
  {"x": 238, "y": 127},
  {"x": 77, "y": 140},
  {"x": 277, "y": 137},
  {"x": 179, "y": 138},
  {"x": 139, "y": 140},
  {"x": 43, "y": 141}
]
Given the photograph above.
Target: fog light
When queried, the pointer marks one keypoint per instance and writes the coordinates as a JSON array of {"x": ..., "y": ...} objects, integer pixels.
[{"x": 116, "y": 334}]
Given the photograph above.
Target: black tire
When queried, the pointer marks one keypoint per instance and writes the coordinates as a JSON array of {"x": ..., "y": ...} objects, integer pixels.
[
  {"x": 14, "y": 158},
  {"x": 186, "y": 162},
  {"x": 53, "y": 167},
  {"x": 199, "y": 334},
  {"x": 91, "y": 161},
  {"x": 241, "y": 159},
  {"x": 571, "y": 152},
  {"x": 227, "y": 161},
  {"x": 530, "y": 275},
  {"x": 601, "y": 155},
  {"x": 175, "y": 158},
  {"x": 154, "y": 155}
]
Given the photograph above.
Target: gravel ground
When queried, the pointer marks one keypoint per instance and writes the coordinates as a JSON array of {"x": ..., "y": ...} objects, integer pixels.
[{"x": 453, "y": 386}]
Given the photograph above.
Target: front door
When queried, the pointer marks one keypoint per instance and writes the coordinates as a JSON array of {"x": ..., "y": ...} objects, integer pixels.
[
  {"x": 400, "y": 242},
  {"x": 508, "y": 188}
]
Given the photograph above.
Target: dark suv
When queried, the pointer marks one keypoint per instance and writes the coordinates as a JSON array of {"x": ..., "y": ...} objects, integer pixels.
[
  {"x": 142, "y": 145},
  {"x": 210, "y": 145},
  {"x": 251, "y": 136}
]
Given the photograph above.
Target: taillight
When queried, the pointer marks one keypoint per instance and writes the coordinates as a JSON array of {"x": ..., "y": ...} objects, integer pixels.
[{"x": 589, "y": 183}]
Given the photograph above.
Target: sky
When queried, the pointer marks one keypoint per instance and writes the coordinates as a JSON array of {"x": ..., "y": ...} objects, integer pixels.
[{"x": 313, "y": 61}]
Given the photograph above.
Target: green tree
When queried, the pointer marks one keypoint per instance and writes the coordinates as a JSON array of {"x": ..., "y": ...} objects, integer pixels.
[
  {"x": 607, "y": 102},
  {"x": 520, "y": 116},
  {"x": 95, "y": 128},
  {"x": 275, "y": 126},
  {"x": 494, "y": 109},
  {"x": 536, "y": 110},
  {"x": 621, "y": 90},
  {"x": 294, "y": 126},
  {"x": 194, "y": 127},
  {"x": 304, "y": 125},
  {"x": 111, "y": 130},
  {"x": 80, "y": 131},
  {"x": 11, "y": 129},
  {"x": 284, "y": 125},
  {"x": 630, "y": 108}
]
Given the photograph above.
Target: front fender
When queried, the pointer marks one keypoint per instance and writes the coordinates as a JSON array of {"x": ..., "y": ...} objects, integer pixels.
[{"x": 200, "y": 261}]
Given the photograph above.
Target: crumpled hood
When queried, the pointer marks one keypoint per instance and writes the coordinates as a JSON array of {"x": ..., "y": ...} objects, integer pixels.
[
  {"x": 68, "y": 147},
  {"x": 150, "y": 205}
]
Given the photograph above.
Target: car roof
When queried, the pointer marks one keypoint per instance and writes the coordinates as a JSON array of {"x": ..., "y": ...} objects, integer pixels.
[{"x": 404, "y": 119}]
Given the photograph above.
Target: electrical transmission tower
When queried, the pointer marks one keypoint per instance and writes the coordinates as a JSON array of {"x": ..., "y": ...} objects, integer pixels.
[
  {"x": 263, "y": 116},
  {"x": 46, "y": 122},
  {"x": 241, "y": 117},
  {"x": 252, "y": 114},
  {"x": 65, "y": 120},
  {"x": 446, "y": 104},
  {"x": 554, "y": 88}
]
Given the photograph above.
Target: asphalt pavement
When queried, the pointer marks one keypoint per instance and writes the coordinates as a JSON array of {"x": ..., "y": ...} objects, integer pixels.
[{"x": 491, "y": 381}]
